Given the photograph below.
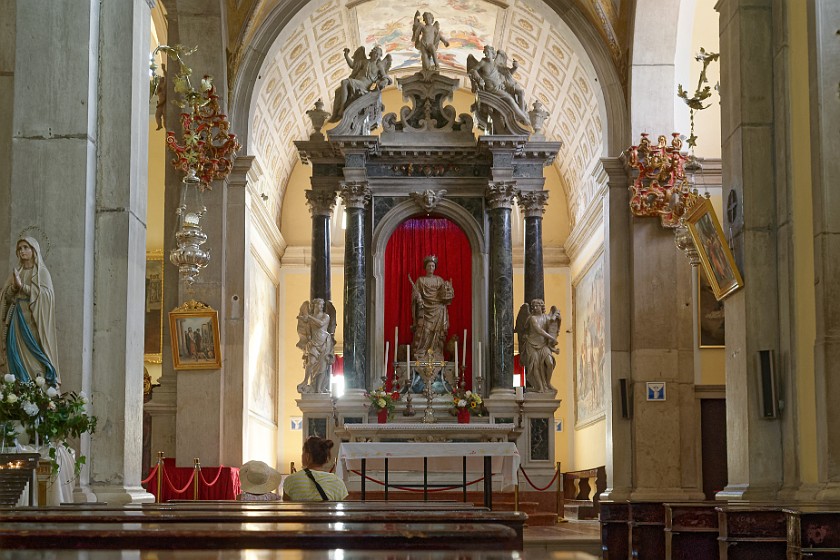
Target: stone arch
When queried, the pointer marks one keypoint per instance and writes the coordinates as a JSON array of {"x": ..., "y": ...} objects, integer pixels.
[{"x": 379, "y": 242}]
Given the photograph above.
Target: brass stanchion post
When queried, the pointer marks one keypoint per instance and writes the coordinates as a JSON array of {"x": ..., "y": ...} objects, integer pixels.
[
  {"x": 196, "y": 471},
  {"x": 561, "y": 505},
  {"x": 158, "y": 497}
]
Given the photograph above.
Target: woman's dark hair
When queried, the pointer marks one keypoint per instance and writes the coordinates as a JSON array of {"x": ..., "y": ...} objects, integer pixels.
[{"x": 318, "y": 449}]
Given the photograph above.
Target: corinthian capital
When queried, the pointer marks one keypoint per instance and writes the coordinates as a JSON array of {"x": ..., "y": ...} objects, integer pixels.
[
  {"x": 355, "y": 194},
  {"x": 533, "y": 203},
  {"x": 321, "y": 203},
  {"x": 499, "y": 194}
]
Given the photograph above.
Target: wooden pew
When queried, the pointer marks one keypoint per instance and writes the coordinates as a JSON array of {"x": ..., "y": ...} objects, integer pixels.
[
  {"x": 647, "y": 530},
  {"x": 217, "y": 536},
  {"x": 691, "y": 531},
  {"x": 813, "y": 532},
  {"x": 615, "y": 530},
  {"x": 752, "y": 531}
]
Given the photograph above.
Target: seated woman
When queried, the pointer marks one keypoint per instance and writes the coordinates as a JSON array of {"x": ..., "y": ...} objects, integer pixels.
[
  {"x": 258, "y": 482},
  {"x": 315, "y": 482}
]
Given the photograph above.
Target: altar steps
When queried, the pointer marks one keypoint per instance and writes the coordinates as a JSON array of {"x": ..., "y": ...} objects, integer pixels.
[
  {"x": 16, "y": 471},
  {"x": 538, "y": 506}
]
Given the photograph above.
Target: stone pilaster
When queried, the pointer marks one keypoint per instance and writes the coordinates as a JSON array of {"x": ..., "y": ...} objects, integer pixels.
[
  {"x": 356, "y": 197},
  {"x": 754, "y": 445},
  {"x": 824, "y": 51},
  {"x": 534, "y": 204},
  {"x": 321, "y": 205},
  {"x": 499, "y": 196}
]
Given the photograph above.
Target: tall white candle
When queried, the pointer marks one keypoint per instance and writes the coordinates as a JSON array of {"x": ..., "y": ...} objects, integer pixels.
[
  {"x": 456, "y": 360},
  {"x": 387, "y": 355},
  {"x": 396, "y": 343},
  {"x": 464, "y": 354},
  {"x": 408, "y": 361},
  {"x": 478, "y": 359}
]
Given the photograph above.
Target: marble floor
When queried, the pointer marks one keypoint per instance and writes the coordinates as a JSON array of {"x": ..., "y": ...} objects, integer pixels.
[{"x": 572, "y": 536}]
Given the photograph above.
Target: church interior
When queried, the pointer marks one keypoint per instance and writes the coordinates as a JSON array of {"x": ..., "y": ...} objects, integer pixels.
[{"x": 592, "y": 240}]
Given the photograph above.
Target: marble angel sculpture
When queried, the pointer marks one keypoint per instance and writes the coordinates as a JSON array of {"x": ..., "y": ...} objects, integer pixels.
[
  {"x": 492, "y": 74},
  {"x": 538, "y": 332},
  {"x": 27, "y": 309},
  {"x": 316, "y": 329},
  {"x": 367, "y": 74},
  {"x": 426, "y": 35}
]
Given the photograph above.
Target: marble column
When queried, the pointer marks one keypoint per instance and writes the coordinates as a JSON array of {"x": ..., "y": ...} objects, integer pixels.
[
  {"x": 499, "y": 196},
  {"x": 321, "y": 205},
  {"x": 754, "y": 445},
  {"x": 824, "y": 50},
  {"x": 79, "y": 187},
  {"x": 534, "y": 204},
  {"x": 356, "y": 197}
]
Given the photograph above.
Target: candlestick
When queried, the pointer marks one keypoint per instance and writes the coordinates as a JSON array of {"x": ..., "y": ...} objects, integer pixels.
[
  {"x": 464, "y": 354},
  {"x": 520, "y": 394}
]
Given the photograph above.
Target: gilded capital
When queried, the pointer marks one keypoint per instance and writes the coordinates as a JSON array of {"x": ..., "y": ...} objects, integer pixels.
[
  {"x": 533, "y": 203},
  {"x": 355, "y": 194},
  {"x": 321, "y": 203},
  {"x": 499, "y": 194}
]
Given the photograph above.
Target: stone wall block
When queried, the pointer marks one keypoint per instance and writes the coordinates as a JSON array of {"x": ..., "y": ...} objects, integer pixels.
[
  {"x": 756, "y": 55},
  {"x": 198, "y": 393},
  {"x": 59, "y": 71},
  {"x": 657, "y": 440},
  {"x": 759, "y": 202}
]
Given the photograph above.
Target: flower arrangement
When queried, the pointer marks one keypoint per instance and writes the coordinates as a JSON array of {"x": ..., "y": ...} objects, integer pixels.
[
  {"x": 380, "y": 399},
  {"x": 462, "y": 399},
  {"x": 39, "y": 410}
]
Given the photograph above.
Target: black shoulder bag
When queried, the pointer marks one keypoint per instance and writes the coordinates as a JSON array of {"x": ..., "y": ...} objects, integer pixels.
[{"x": 317, "y": 486}]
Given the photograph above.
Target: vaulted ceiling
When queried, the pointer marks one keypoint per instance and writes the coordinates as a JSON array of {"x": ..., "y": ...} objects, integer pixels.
[{"x": 307, "y": 63}]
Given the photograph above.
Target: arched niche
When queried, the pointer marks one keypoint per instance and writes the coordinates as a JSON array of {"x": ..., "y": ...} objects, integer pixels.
[{"x": 382, "y": 234}]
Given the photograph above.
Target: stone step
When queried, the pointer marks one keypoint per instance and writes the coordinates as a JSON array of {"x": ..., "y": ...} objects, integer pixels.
[
  {"x": 579, "y": 509},
  {"x": 527, "y": 507},
  {"x": 541, "y": 519}
]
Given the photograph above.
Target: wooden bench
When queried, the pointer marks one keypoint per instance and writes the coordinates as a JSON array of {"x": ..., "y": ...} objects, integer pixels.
[
  {"x": 751, "y": 531},
  {"x": 581, "y": 491},
  {"x": 647, "y": 530},
  {"x": 813, "y": 532},
  {"x": 691, "y": 531},
  {"x": 287, "y": 555},
  {"x": 615, "y": 530},
  {"x": 144, "y": 535}
]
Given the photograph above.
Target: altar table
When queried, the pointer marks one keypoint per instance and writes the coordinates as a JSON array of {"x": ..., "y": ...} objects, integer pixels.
[{"x": 497, "y": 457}]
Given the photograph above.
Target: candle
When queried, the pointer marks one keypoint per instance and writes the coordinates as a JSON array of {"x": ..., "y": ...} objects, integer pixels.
[
  {"x": 396, "y": 343},
  {"x": 464, "y": 354},
  {"x": 387, "y": 351},
  {"x": 520, "y": 394},
  {"x": 456, "y": 360},
  {"x": 408, "y": 361},
  {"x": 478, "y": 366}
]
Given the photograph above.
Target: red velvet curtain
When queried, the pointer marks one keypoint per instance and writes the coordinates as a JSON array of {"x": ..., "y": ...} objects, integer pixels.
[{"x": 413, "y": 240}]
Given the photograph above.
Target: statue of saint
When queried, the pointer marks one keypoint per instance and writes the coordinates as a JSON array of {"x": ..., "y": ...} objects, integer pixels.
[
  {"x": 368, "y": 73},
  {"x": 430, "y": 319},
  {"x": 538, "y": 332},
  {"x": 316, "y": 329},
  {"x": 27, "y": 309},
  {"x": 492, "y": 74},
  {"x": 426, "y": 36}
]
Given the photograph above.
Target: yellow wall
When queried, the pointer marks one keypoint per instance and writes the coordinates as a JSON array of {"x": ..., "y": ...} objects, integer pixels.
[
  {"x": 707, "y": 121},
  {"x": 803, "y": 235}
]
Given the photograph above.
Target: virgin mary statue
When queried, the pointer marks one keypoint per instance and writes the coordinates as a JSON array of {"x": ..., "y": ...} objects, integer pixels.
[{"x": 27, "y": 309}]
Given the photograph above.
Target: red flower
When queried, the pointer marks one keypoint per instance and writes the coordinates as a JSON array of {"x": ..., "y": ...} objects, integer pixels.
[{"x": 395, "y": 395}]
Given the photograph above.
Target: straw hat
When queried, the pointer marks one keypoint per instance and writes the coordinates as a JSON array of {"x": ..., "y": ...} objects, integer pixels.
[{"x": 256, "y": 477}]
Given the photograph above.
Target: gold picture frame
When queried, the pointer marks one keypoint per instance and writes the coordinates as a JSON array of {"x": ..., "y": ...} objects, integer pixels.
[
  {"x": 153, "y": 308},
  {"x": 194, "y": 329},
  {"x": 715, "y": 256}
]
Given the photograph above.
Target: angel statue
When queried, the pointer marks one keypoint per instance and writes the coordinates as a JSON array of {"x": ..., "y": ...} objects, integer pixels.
[
  {"x": 492, "y": 74},
  {"x": 316, "y": 327},
  {"x": 368, "y": 73},
  {"x": 538, "y": 332},
  {"x": 426, "y": 36}
]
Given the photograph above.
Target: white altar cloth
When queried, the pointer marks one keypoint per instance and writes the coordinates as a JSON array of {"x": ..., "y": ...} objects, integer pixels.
[{"x": 442, "y": 457}]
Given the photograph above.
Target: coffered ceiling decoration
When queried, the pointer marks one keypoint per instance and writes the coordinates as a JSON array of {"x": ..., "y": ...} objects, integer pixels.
[{"x": 307, "y": 63}]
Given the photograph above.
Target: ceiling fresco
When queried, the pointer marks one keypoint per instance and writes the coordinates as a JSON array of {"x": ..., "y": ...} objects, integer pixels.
[{"x": 307, "y": 63}]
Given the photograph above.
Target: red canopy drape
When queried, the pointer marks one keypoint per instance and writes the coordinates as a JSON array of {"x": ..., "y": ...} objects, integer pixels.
[{"x": 413, "y": 240}]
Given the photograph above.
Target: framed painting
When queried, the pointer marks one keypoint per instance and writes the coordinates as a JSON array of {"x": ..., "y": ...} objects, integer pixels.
[
  {"x": 715, "y": 256},
  {"x": 153, "y": 308},
  {"x": 589, "y": 343},
  {"x": 194, "y": 328},
  {"x": 711, "y": 321}
]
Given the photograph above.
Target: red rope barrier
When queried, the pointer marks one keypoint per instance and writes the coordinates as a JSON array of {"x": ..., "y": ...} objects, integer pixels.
[
  {"x": 172, "y": 486},
  {"x": 151, "y": 476},
  {"x": 430, "y": 490},
  {"x": 210, "y": 484},
  {"x": 534, "y": 486}
]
